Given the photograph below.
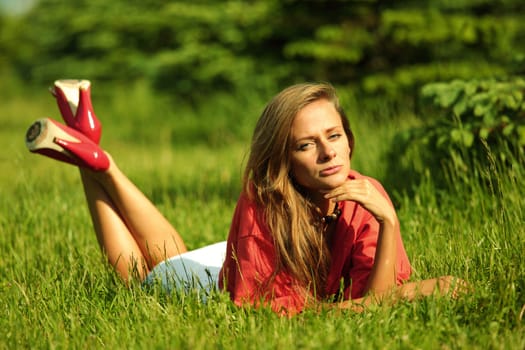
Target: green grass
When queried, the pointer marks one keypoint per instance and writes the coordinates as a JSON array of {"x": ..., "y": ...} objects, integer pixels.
[{"x": 56, "y": 291}]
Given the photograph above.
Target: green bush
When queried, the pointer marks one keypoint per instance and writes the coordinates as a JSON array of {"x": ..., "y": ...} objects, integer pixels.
[
  {"x": 465, "y": 123},
  {"x": 488, "y": 110}
]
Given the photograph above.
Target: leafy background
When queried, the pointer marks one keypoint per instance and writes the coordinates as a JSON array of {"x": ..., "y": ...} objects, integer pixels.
[{"x": 373, "y": 46}]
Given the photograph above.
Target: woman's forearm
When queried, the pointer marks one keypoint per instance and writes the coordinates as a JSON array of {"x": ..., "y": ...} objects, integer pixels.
[
  {"x": 383, "y": 275},
  {"x": 444, "y": 285}
]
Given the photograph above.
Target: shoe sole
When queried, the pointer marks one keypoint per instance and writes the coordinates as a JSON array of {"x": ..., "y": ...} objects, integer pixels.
[
  {"x": 41, "y": 136},
  {"x": 70, "y": 89},
  {"x": 44, "y": 136}
]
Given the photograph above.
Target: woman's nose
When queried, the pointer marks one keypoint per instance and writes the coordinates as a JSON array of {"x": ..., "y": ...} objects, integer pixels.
[{"x": 327, "y": 152}]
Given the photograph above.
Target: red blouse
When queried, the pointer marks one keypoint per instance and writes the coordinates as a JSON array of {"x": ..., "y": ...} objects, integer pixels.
[{"x": 250, "y": 257}]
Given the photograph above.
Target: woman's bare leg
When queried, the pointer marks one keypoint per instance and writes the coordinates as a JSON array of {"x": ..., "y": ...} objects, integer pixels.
[
  {"x": 114, "y": 237},
  {"x": 130, "y": 229}
]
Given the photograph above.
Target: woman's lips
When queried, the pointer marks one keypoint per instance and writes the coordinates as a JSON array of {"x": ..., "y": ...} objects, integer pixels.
[{"x": 330, "y": 171}]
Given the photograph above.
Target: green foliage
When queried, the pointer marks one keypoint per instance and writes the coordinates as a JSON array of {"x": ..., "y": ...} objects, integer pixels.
[
  {"x": 185, "y": 47},
  {"x": 484, "y": 109},
  {"x": 394, "y": 50},
  {"x": 464, "y": 123},
  {"x": 194, "y": 49},
  {"x": 333, "y": 44},
  {"x": 439, "y": 43}
]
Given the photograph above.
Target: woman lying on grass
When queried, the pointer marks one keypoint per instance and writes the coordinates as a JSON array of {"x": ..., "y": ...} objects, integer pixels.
[{"x": 307, "y": 229}]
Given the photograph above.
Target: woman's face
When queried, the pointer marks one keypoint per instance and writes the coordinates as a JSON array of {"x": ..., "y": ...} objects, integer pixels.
[{"x": 320, "y": 154}]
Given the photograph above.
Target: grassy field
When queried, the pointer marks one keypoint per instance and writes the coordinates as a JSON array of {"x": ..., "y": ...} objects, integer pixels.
[{"x": 56, "y": 291}]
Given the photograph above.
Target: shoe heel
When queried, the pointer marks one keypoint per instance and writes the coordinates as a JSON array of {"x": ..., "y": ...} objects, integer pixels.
[{"x": 74, "y": 102}]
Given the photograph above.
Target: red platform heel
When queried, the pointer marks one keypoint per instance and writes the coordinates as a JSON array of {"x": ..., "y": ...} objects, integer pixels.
[
  {"x": 74, "y": 101},
  {"x": 50, "y": 138}
]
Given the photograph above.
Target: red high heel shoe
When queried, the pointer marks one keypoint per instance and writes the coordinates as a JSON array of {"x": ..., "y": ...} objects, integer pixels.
[
  {"x": 50, "y": 138},
  {"x": 74, "y": 101}
]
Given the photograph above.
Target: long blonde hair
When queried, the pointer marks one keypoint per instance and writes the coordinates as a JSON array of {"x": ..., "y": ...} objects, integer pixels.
[{"x": 301, "y": 249}]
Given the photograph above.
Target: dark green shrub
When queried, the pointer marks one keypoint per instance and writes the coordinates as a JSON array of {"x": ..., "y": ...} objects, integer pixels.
[
  {"x": 466, "y": 123},
  {"x": 488, "y": 110}
]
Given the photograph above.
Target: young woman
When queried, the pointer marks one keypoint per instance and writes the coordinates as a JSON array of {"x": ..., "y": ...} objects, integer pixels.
[{"x": 307, "y": 229}]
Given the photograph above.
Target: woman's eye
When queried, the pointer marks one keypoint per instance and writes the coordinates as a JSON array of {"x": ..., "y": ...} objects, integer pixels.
[
  {"x": 303, "y": 146},
  {"x": 335, "y": 136}
]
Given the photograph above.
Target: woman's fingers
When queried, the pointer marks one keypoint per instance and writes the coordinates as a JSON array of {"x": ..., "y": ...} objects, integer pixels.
[
  {"x": 355, "y": 190},
  {"x": 366, "y": 194}
]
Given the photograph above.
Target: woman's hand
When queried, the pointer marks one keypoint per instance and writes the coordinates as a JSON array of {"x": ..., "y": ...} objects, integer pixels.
[
  {"x": 365, "y": 193},
  {"x": 383, "y": 276}
]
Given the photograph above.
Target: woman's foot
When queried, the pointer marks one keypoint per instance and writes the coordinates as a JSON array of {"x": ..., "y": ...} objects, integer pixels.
[
  {"x": 74, "y": 101},
  {"x": 50, "y": 138}
]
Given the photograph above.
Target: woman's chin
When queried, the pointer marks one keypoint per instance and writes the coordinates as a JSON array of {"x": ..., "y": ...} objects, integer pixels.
[
  {"x": 324, "y": 188},
  {"x": 335, "y": 182}
]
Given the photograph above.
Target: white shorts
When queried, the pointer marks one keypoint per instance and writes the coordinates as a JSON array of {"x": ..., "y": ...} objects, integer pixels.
[{"x": 194, "y": 270}]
